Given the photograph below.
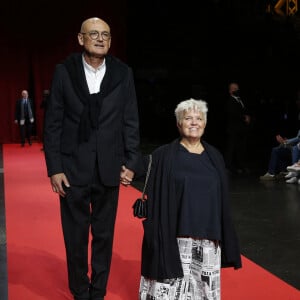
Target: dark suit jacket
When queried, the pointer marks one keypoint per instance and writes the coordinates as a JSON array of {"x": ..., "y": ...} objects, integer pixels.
[
  {"x": 235, "y": 116},
  {"x": 113, "y": 143},
  {"x": 19, "y": 103}
]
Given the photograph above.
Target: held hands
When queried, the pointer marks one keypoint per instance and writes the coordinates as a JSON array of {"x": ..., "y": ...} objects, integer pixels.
[
  {"x": 126, "y": 176},
  {"x": 57, "y": 182}
]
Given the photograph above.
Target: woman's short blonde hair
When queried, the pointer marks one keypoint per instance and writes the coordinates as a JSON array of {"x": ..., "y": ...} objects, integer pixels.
[{"x": 190, "y": 104}]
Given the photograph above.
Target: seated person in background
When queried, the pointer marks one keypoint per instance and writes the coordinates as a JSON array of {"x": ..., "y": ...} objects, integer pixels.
[
  {"x": 281, "y": 156},
  {"x": 294, "y": 169}
]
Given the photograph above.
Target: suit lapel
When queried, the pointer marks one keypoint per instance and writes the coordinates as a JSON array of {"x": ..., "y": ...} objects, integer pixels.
[
  {"x": 75, "y": 69},
  {"x": 112, "y": 76}
]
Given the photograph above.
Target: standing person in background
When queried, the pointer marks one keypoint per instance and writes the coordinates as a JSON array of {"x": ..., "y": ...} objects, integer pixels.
[
  {"x": 91, "y": 144},
  {"x": 238, "y": 120},
  {"x": 24, "y": 117},
  {"x": 188, "y": 233}
]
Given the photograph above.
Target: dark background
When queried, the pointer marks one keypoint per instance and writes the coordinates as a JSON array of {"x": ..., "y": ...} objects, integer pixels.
[
  {"x": 196, "y": 49},
  {"x": 177, "y": 51}
]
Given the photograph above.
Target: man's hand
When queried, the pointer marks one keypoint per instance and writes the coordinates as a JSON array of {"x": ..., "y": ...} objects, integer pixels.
[
  {"x": 57, "y": 181},
  {"x": 126, "y": 176}
]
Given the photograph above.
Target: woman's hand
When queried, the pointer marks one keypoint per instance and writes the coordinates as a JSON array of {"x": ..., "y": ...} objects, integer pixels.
[{"x": 126, "y": 176}]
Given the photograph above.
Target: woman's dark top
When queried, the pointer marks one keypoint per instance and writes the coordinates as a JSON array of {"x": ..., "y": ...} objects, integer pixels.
[{"x": 198, "y": 196}]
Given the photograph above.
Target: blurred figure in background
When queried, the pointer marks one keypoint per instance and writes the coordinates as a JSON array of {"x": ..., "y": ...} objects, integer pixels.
[
  {"x": 281, "y": 157},
  {"x": 238, "y": 120},
  {"x": 24, "y": 117}
]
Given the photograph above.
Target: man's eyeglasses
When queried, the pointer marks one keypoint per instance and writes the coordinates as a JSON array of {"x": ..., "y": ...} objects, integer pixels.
[{"x": 94, "y": 35}]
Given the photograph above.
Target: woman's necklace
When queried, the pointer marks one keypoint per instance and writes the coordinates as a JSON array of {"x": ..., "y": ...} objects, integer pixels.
[{"x": 198, "y": 148}]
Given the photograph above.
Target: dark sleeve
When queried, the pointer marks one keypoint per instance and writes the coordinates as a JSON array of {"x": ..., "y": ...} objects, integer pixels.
[
  {"x": 131, "y": 125},
  {"x": 32, "y": 107},
  {"x": 230, "y": 247},
  {"x": 54, "y": 115}
]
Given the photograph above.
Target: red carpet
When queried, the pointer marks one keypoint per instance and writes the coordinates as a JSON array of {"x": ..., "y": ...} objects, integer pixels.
[{"x": 36, "y": 255}]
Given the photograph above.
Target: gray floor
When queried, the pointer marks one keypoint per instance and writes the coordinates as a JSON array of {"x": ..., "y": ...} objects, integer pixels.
[{"x": 267, "y": 218}]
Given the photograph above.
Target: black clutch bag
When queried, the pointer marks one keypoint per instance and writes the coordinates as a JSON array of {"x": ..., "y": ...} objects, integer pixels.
[{"x": 140, "y": 209}]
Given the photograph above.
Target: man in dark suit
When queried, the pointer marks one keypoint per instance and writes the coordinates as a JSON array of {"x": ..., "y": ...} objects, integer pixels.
[
  {"x": 238, "y": 120},
  {"x": 24, "y": 117},
  {"x": 91, "y": 143}
]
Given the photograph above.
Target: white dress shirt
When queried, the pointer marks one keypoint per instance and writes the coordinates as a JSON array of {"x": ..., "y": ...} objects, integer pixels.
[{"x": 94, "y": 76}]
